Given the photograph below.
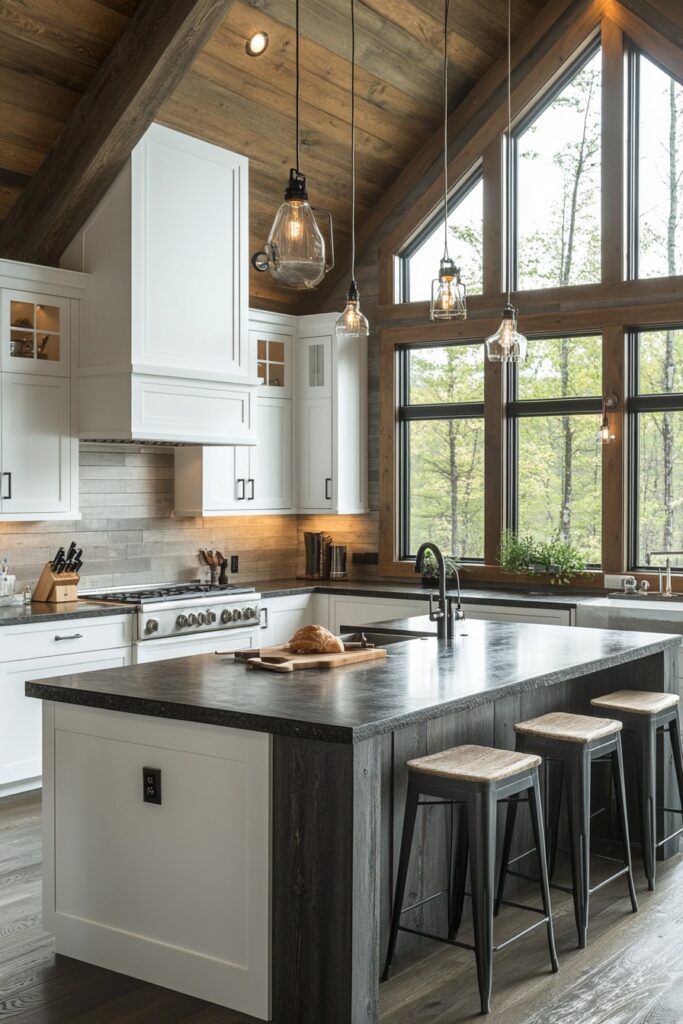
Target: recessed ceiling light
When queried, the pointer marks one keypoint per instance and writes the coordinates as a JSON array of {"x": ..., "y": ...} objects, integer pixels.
[{"x": 257, "y": 44}]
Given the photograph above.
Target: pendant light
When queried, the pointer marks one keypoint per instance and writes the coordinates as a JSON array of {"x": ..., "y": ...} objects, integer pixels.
[
  {"x": 295, "y": 251},
  {"x": 352, "y": 323},
  {"x": 507, "y": 345},
  {"x": 448, "y": 293}
]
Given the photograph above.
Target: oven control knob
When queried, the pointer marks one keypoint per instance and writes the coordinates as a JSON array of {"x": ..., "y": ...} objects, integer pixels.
[
  {"x": 226, "y": 616},
  {"x": 237, "y": 614},
  {"x": 152, "y": 626},
  {"x": 210, "y": 617},
  {"x": 250, "y": 613},
  {"x": 181, "y": 622},
  {"x": 192, "y": 619},
  {"x": 201, "y": 618}
]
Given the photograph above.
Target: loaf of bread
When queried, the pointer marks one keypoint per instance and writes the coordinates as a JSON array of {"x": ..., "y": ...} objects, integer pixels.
[{"x": 315, "y": 640}]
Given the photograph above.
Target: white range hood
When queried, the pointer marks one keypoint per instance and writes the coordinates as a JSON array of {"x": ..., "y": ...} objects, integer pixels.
[{"x": 164, "y": 347}]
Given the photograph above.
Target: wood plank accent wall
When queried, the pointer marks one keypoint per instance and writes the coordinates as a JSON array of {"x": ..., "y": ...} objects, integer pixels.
[{"x": 129, "y": 534}]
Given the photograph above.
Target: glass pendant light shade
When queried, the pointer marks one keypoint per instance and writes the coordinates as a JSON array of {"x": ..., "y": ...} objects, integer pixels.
[
  {"x": 295, "y": 250},
  {"x": 352, "y": 323},
  {"x": 507, "y": 345},
  {"x": 448, "y": 294}
]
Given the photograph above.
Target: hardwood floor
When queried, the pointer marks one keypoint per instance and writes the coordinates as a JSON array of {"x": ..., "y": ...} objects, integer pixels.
[{"x": 631, "y": 973}]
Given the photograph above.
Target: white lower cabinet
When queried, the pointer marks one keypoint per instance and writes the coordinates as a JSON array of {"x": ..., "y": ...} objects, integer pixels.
[
  {"x": 347, "y": 610},
  {"x": 520, "y": 613},
  {"x": 282, "y": 616},
  {"x": 20, "y": 716},
  {"x": 58, "y": 648},
  {"x": 185, "y": 647}
]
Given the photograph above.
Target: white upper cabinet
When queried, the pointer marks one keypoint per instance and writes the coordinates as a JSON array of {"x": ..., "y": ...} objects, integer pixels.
[
  {"x": 167, "y": 250},
  {"x": 39, "y": 319},
  {"x": 272, "y": 337}
]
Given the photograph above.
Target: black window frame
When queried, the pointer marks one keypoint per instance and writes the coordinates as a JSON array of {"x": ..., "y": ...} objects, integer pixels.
[
  {"x": 430, "y": 227},
  {"x": 407, "y": 414},
  {"x": 637, "y": 404},
  {"x": 529, "y": 408},
  {"x": 586, "y": 55}
]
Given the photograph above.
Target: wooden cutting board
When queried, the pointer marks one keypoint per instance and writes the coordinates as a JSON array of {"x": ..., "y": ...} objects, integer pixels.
[{"x": 278, "y": 659}]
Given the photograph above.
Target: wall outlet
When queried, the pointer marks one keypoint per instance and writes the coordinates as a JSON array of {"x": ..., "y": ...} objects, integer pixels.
[
  {"x": 234, "y": 563},
  {"x": 151, "y": 785}
]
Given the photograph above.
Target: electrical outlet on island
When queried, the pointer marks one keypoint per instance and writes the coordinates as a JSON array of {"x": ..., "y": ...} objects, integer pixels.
[{"x": 234, "y": 564}]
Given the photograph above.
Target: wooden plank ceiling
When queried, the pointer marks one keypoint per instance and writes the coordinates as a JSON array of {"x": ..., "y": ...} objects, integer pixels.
[{"x": 51, "y": 49}]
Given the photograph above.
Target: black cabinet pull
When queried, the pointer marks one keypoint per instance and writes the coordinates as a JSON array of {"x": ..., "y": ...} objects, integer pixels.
[
  {"x": 8, "y": 496},
  {"x": 263, "y": 613},
  {"x": 251, "y": 482},
  {"x": 242, "y": 496},
  {"x": 74, "y": 636},
  {"x": 328, "y": 488}
]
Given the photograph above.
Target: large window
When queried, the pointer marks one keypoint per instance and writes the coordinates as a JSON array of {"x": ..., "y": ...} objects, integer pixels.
[
  {"x": 657, "y": 436},
  {"x": 657, "y": 195},
  {"x": 420, "y": 261},
  {"x": 555, "y": 452},
  {"x": 442, "y": 448},
  {"x": 557, "y": 185}
]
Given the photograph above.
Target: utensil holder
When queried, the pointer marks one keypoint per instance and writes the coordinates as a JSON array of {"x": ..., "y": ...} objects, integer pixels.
[{"x": 56, "y": 588}]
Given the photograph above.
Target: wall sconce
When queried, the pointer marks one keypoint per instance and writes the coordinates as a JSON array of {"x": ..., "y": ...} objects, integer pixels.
[{"x": 609, "y": 404}]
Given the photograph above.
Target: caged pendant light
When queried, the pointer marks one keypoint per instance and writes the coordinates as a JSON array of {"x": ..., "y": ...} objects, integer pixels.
[
  {"x": 295, "y": 251},
  {"x": 352, "y": 323},
  {"x": 507, "y": 345},
  {"x": 448, "y": 292}
]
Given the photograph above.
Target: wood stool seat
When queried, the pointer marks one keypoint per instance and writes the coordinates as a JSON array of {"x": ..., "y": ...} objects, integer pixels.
[
  {"x": 637, "y": 702},
  {"x": 471, "y": 763},
  {"x": 567, "y": 728}
]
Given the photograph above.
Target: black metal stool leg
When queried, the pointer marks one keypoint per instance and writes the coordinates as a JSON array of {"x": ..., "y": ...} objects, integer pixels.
[
  {"x": 675, "y": 737},
  {"x": 553, "y": 803},
  {"x": 646, "y": 745},
  {"x": 459, "y": 872},
  {"x": 620, "y": 793},
  {"x": 578, "y": 782},
  {"x": 403, "y": 863},
  {"x": 539, "y": 838},
  {"x": 510, "y": 819},
  {"x": 481, "y": 812}
]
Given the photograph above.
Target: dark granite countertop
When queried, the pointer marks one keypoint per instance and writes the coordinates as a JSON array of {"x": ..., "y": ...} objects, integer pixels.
[
  {"x": 419, "y": 680},
  {"x": 20, "y": 615},
  {"x": 415, "y": 591}
]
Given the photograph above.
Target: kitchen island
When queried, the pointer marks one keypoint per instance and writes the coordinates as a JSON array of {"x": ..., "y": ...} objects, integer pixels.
[{"x": 269, "y": 880}]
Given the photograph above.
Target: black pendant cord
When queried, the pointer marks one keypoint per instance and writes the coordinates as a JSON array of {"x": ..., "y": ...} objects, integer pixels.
[
  {"x": 509, "y": 159},
  {"x": 298, "y": 76},
  {"x": 445, "y": 128},
  {"x": 353, "y": 144}
]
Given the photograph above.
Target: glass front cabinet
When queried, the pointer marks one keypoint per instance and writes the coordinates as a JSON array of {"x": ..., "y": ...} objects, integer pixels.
[{"x": 36, "y": 334}]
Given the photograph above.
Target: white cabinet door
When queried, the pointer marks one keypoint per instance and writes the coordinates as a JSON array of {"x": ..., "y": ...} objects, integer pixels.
[
  {"x": 316, "y": 484},
  {"x": 361, "y": 611},
  {"x": 273, "y": 345},
  {"x": 35, "y": 446},
  {"x": 21, "y": 716},
  {"x": 502, "y": 613},
  {"x": 36, "y": 333},
  {"x": 227, "y": 472},
  {"x": 190, "y": 256},
  {"x": 282, "y": 616},
  {"x": 270, "y": 481}
]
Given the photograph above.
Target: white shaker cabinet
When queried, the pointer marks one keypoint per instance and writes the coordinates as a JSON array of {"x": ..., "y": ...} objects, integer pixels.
[
  {"x": 39, "y": 321},
  {"x": 282, "y": 616},
  {"x": 315, "y": 454}
]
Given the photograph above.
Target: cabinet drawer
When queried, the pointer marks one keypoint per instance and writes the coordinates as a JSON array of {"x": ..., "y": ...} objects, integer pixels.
[{"x": 66, "y": 637}]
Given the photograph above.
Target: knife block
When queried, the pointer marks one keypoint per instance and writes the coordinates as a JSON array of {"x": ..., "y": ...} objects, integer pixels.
[{"x": 56, "y": 588}]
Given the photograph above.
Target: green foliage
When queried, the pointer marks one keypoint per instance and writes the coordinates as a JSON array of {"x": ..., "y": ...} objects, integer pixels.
[
  {"x": 431, "y": 570},
  {"x": 524, "y": 555}
]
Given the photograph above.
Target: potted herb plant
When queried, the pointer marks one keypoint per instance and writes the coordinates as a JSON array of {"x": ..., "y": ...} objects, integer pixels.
[{"x": 556, "y": 558}]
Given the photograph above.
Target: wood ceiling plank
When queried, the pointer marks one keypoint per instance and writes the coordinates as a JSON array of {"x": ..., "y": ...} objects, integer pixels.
[
  {"x": 54, "y": 66},
  {"x": 15, "y": 20},
  {"x": 23, "y": 159},
  {"x": 324, "y": 83},
  {"x": 146, "y": 63},
  {"x": 84, "y": 19},
  {"x": 30, "y": 93},
  {"x": 380, "y": 47},
  {"x": 27, "y": 127}
]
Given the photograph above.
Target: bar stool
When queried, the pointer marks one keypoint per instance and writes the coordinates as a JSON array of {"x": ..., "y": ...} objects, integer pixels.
[
  {"x": 643, "y": 715},
  {"x": 477, "y": 779},
  {"x": 576, "y": 741}
]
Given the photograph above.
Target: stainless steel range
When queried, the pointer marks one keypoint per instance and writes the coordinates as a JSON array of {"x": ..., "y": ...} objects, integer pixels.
[{"x": 178, "y": 619}]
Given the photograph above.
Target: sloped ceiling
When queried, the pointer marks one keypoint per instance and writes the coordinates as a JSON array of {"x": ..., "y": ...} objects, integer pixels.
[{"x": 50, "y": 50}]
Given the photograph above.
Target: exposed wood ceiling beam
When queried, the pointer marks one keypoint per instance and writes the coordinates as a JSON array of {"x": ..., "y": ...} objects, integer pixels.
[{"x": 155, "y": 50}]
